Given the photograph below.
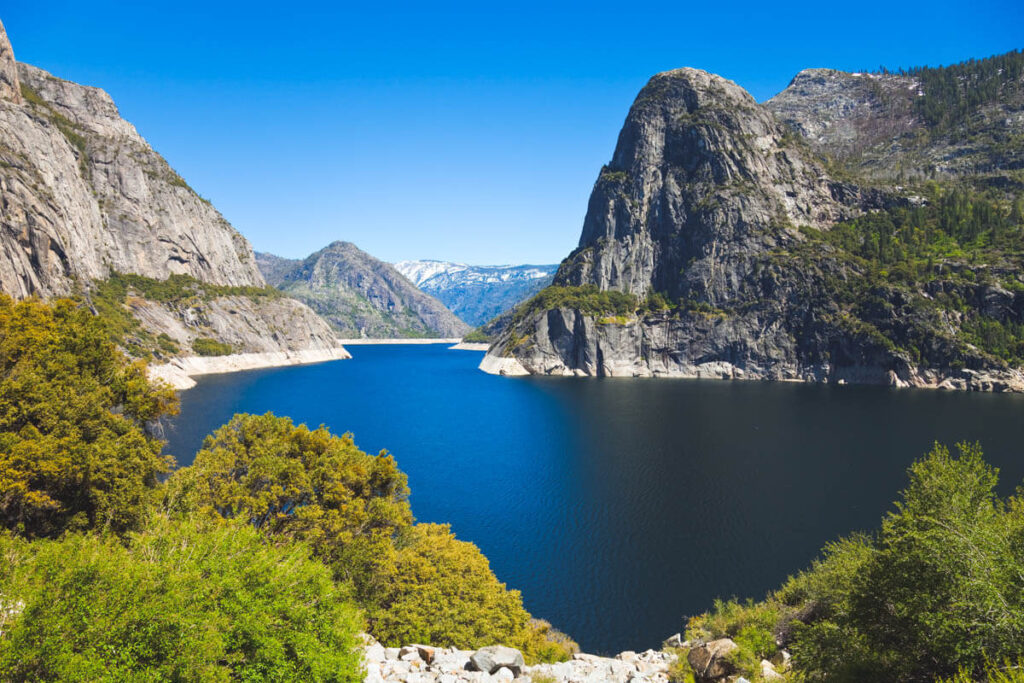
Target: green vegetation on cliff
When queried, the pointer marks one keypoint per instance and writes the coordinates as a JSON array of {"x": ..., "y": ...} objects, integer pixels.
[
  {"x": 204, "y": 346},
  {"x": 950, "y": 223},
  {"x": 109, "y": 298},
  {"x": 946, "y": 268},
  {"x": 952, "y": 93},
  {"x": 587, "y": 299}
]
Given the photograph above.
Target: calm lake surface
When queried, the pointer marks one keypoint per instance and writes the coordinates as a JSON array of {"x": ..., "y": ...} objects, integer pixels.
[{"x": 619, "y": 506}]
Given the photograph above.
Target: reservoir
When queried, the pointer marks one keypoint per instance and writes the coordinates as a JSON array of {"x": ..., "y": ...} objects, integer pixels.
[{"x": 621, "y": 506}]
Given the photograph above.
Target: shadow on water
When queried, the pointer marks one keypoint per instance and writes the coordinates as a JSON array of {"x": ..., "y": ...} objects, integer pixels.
[{"x": 618, "y": 506}]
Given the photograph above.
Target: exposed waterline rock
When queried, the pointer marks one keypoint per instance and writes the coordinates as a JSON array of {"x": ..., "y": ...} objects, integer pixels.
[
  {"x": 497, "y": 663},
  {"x": 178, "y": 373}
]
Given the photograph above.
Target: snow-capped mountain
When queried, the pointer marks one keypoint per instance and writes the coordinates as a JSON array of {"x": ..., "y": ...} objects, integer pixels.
[{"x": 477, "y": 293}]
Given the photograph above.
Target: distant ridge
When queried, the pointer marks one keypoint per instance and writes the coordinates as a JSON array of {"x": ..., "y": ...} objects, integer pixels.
[
  {"x": 359, "y": 295},
  {"x": 477, "y": 293}
]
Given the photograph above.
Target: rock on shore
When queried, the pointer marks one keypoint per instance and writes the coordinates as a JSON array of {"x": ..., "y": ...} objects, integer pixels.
[
  {"x": 425, "y": 664},
  {"x": 178, "y": 373}
]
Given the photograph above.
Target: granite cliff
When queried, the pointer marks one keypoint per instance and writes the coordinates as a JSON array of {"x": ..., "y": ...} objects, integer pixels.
[
  {"x": 848, "y": 230},
  {"x": 83, "y": 197},
  {"x": 360, "y": 295}
]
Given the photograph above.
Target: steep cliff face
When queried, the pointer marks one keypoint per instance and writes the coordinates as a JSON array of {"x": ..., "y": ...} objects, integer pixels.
[
  {"x": 361, "y": 296},
  {"x": 702, "y": 178},
  {"x": 83, "y": 195},
  {"x": 717, "y": 244},
  {"x": 10, "y": 91}
]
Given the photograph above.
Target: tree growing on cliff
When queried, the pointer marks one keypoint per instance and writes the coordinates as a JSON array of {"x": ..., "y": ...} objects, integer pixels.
[{"x": 74, "y": 452}]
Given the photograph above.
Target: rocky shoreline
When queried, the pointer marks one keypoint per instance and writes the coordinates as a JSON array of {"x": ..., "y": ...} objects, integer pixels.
[
  {"x": 179, "y": 372},
  {"x": 710, "y": 661},
  {"x": 470, "y": 346},
  {"x": 635, "y": 350},
  {"x": 499, "y": 664}
]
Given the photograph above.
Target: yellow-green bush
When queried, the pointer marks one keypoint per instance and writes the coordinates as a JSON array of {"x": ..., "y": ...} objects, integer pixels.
[
  {"x": 74, "y": 453},
  {"x": 418, "y": 583},
  {"x": 184, "y": 601}
]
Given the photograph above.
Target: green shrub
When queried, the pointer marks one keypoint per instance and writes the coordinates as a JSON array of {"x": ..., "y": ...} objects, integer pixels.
[
  {"x": 296, "y": 483},
  {"x": 750, "y": 625},
  {"x": 477, "y": 336},
  {"x": 183, "y": 288},
  {"x": 937, "y": 593},
  {"x": 680, "y": 670},
  {"x": 182, "y": 602},
  {"x": 204, "y": 346},
  {"x": 74, "y": 452},
  {"x": 587, "y": 299},
  {"x": 943, "y": 589},
  {"x": 1006, "y": 673},
  {"x": 167, "y": 344},
  {"x": 418, "y": 583},
  {"x": 442, "y": 591}
]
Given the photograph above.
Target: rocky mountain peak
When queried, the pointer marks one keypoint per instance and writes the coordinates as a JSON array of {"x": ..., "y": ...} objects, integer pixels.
[
  {"x": 10, "y": 89},
  {"x": 699, "y": 169},
  {"x": 86, "y": 107},
  {"x": 360, "y": 295},
  {"x": 741, "y": 257}
]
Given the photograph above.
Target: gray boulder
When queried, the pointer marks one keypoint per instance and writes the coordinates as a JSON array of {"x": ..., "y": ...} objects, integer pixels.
[
  {"x": 709, "y": 661},
  {"x": 490, "y": 659}
]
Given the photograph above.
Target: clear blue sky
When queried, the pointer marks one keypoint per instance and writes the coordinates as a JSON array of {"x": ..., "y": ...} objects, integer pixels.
[{"x": 459, "y": 131}]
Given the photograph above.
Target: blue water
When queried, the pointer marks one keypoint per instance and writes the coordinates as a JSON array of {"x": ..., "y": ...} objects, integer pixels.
[{"x": 620, "y": 506}]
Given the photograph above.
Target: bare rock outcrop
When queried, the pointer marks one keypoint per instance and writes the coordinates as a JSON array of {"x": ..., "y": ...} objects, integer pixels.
[
  {"x": 706, "y": 248},
  {"x": 83, "y": 195},
  {"x": 10, "y": 90}
]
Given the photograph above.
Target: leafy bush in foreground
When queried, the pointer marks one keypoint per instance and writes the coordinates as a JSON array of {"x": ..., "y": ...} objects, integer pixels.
[
  {"x": 417, "y": 582},
  {"x": 245, "y": 566},
  {"x": 184, "y": 602},
  {"x": 291, "y": 482},
  {"x": 938, "y": 592},
  {"x": 442, "y": 591}
]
